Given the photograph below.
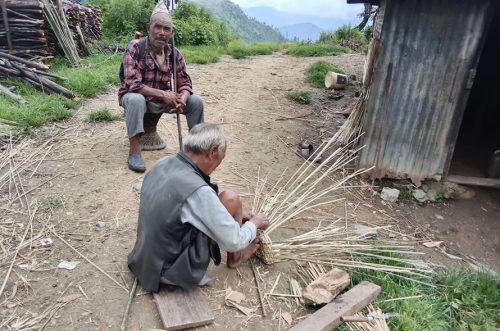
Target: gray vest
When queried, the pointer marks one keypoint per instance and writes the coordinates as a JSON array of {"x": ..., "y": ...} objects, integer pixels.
[{"x": 165, "y": 246}]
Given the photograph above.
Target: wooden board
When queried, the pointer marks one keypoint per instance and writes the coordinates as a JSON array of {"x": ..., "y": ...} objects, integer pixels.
[
  {"x": 349, "y": 303},
  {"x": 476, "y": 181},
  {"x": 180, "y": 309}
]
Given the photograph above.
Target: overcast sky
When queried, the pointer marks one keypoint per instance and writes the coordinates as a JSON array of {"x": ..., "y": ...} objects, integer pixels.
[{"x": 324, "y": 8}]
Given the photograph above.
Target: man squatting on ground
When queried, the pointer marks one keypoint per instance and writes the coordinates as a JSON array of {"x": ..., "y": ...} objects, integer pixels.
[
  {"x": 148, "y": 78},
  {"x": 183, "y": 220}
]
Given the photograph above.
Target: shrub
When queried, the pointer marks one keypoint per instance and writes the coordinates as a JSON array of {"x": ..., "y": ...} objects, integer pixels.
[
  {"x": 302, "y": 97},
  {"x": 327, "y": 37},
  {"x": 317, "y": 71},
  {"x": 124, "y": 17},
  {"x": 347, "y": 32},
  {"x": 195, "y": 25},
  {"x": 315, "y": 49}
]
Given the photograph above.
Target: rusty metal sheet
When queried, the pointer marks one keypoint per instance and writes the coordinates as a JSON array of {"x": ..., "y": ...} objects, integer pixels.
[{"x": 415, "y": 105}]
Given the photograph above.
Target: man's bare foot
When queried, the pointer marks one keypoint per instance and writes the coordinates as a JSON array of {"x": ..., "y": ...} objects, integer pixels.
[{"x": 234, "y": 260}]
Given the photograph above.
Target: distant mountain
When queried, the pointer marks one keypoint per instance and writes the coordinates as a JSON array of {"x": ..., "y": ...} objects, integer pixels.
[
  {"x": 301, "y": 32},
  {"x": 233, "y": 17},
  {"x": 279, "y": 19}
]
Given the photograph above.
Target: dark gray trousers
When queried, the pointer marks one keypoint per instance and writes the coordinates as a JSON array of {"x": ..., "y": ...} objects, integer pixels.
[{"x": 135, "y": 108}]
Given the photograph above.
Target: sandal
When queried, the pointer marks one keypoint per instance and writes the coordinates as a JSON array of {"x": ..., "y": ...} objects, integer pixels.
[{"x": 307, "y": 152}]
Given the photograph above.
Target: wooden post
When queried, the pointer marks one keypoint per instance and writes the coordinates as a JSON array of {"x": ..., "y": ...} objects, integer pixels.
[{"x": 6, "y": 23}]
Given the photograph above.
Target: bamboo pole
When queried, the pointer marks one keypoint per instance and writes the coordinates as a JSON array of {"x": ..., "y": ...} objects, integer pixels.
[{"x": 62, "y": 33}]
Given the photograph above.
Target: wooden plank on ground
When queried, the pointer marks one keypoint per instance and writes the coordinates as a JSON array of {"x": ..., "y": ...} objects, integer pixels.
[
  {"x": 324, "y": 289},
  {"x": 347, "y": 304},
  {"x": 180, "y": 309},
  {"x": 476, "y": 181}
]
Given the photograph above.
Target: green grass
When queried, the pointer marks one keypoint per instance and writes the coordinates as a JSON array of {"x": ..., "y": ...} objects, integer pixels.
[
  {"x": 347, "y": 32},
  {"x": 103, "y": 115},
  {"x": 317, "y": 71},
  {"x": 40, "y": 108},
  {"x": 97, "y": 74},
  {"x": 316, "y": 49},
  {"x": 461, "y": 300},
  {"x": 201, "y": 54},
  {"x": 302, "y": 97},
  {"x": 240, "y": 50}
]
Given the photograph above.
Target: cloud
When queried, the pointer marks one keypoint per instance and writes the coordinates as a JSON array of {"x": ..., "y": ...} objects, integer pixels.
[{"x": 323, "y": 8}]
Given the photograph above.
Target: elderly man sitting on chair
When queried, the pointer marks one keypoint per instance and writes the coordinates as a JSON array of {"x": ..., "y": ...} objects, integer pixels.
[{"x": 146, "y": 91}]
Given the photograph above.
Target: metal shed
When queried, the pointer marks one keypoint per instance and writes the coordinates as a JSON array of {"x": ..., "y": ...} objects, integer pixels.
[{"x": 422, "y": 72}]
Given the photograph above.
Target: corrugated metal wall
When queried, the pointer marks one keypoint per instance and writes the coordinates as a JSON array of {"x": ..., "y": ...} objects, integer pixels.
[{"x": 413, "y": 113}]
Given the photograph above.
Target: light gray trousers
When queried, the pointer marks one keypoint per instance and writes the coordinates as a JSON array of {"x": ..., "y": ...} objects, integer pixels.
[{"x": 135, "y": 108}]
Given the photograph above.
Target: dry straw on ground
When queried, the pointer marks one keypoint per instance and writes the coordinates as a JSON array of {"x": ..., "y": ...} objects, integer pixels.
[{"x": 375, "y": 325}]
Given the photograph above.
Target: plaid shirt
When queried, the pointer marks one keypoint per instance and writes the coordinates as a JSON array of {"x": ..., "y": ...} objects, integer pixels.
[{"x": 145, "y": 72}]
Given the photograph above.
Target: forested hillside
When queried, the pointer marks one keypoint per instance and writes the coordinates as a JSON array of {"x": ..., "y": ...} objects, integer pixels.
[{"x": 231, "y": 15}]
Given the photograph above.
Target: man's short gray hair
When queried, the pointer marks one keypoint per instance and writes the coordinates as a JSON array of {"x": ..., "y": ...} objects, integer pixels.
[{"x": 203, "y": 136}]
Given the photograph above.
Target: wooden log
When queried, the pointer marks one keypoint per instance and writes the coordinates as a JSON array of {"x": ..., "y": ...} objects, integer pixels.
[
  {"x": 349, "y": 303},
  {"x": 474, "y": 181},
  {"x": 23, "y": 61},
  {"x": 6, "y": 23},
  {"x": 25, "y": 16},
  {"x": 45, "y": 82},
  {"x": 324, "y": 289},
  {"x": 336, "y": 81},
  {"x": 48, "y": 74},
  {"x": 23, "y": 3},
  {"x": 7, "y": 92}
]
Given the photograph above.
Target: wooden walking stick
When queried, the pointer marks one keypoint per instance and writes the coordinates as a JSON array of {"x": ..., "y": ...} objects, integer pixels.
[{"x": 174, "y": 69}]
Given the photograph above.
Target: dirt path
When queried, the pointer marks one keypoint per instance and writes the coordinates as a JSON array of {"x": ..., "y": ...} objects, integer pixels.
[{"x": 84, "y": 193}]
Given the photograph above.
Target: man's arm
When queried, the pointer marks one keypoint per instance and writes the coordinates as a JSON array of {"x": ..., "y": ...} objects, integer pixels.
[{"x": 204, "y": 211}]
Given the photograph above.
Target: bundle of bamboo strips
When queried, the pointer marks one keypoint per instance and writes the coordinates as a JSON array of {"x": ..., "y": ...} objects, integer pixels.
[
  {"x": 31, "y": 72},
  {"x": 353, "y": 126},
  {"x": 306, "y": 188},
  {"x": 333, "y": 245}
]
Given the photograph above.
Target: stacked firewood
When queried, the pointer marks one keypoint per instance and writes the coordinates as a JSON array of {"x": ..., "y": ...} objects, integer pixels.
[
  {"x": 85, "y": 23},
  {"x": 22, "y": 28},
  {"x": 88, "y": 18},
  {"x": 31, "y": 72},
  {"x": 25, "y": 30}
]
